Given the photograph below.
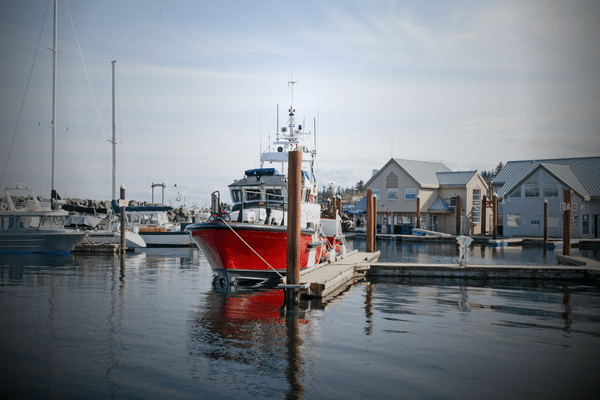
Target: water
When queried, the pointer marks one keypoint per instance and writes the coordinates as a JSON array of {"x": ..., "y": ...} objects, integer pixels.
[
  {"x": 447, "y": 253},
  {"x": 155, "y": 326}
]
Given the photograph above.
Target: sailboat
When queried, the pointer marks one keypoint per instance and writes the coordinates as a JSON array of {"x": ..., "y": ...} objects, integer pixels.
[
  {"x": 108, "y": 230},
  {"x": 28, "y": 224}
]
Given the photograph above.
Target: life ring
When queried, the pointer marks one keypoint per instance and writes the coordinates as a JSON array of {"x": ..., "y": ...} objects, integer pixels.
[{"x": 4, "y": 206}]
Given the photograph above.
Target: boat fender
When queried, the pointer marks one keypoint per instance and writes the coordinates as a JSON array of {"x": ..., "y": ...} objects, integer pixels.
[{"x": 3, "y": 206}]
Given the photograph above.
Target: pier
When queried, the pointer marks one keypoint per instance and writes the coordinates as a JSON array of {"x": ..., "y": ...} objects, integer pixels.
[{"x": 329, "y": 279}]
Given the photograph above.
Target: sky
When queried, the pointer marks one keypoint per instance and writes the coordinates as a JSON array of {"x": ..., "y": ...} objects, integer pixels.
[{"x": 198, "y": 85}]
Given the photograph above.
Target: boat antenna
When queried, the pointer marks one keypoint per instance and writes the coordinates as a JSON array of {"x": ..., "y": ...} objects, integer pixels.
[{"x": 292, "y": 82}]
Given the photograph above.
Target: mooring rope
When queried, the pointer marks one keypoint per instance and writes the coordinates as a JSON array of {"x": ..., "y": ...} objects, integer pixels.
[{"x": 250, "y": 247}]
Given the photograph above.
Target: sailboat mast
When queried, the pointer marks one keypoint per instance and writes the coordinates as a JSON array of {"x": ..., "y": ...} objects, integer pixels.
[
  {"x": 54, "y": 53},
  {"x": 114, "y": 138}
]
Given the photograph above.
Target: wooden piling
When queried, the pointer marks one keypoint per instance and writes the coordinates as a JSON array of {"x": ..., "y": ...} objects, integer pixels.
[
  {"x": 567, "y": 224},
  {"x": 546, "y": 221},
  {"x": 458, "y": 213},
  {"x": 293, "y": 217},
  {"x": 123, "y": 219},
  {"x": 369, "y": 218},
  {"x": 418, "y": 212},
  {"x": 495, "y": 216},
  {"x": 484, "y": 216},
  {"x": 374, "y": 218}
]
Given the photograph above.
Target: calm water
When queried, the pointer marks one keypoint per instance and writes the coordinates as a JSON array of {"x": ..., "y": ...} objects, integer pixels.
[{"x": 155, "y": 327}]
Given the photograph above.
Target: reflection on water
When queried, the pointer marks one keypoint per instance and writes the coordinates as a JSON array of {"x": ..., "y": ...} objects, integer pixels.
[
  {"x": 479, "y": 254},
  {"x": 154, "y": 325}
]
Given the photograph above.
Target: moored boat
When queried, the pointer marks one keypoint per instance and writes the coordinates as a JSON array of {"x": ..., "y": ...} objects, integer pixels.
[
  {"x": 249, "y": 241},
  {"x": 30, "y": 225}
]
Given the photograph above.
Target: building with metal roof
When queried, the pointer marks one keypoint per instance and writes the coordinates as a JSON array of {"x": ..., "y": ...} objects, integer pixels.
[
  {"x": 523, "y": 187},
  {"x": 400, "y": 183}
]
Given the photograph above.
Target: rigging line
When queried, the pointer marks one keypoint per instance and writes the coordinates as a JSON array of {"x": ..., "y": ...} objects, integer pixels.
[
  {"x": 226, "y": 224},
  {"x": 85, "y": 69},
  {"x": 24, "y": 95}
]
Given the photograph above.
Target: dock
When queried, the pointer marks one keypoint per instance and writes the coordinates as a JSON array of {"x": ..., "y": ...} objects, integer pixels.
[
  {"x": 328, "y": 279},
  {"x": 95, "y": 248},
  {"x": 567, "y": 268}
]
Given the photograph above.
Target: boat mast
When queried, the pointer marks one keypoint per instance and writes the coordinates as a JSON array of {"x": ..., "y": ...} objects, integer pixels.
[
  {"x": 114, "y": 138},
  {"x": 53, "y": 194}
]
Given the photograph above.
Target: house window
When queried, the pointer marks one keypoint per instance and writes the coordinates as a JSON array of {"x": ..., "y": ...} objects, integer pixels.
[
  {"x": 550, "y": 190},
  {"x": 513, "y": 220},
  {"x": 392, "y": 194},
  {"x": 574, "y": 220},
  {"x": 585, "y": 225},
  {"x": 532, "y": 186},
  {"x": 391, "y": 181},
  {"x": 476, "y": 203},
  {"x": 452, "y": 201}
]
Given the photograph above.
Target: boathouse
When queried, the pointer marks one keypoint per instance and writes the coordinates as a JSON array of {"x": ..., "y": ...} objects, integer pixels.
[
  {"x": 523, "y": 187},
  {"x": 402, "y": 184}
]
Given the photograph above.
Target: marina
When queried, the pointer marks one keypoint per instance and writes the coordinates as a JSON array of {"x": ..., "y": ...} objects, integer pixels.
[{"x": 154, "y": 323}]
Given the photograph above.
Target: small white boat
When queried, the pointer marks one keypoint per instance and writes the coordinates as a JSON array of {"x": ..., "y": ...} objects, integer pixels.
[
  {"x": 153, "y": 225},
  {"x": 103, "y": 230},
  {"x": 30, "y": 225}
]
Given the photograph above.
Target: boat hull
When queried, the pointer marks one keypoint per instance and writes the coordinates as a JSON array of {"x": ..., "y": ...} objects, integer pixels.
[
  {"x": 132, "y": 239},
  {"x": 251, "y": 252},
  {"x": 40, "y": 241},
  {"x": 167, "y": 239}
]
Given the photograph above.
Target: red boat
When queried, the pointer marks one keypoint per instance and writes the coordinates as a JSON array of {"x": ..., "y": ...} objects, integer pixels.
[{"x": 249, "y": 240}]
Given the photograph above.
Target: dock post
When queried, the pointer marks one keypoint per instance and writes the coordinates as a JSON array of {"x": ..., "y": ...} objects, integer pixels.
[
  {"x": 495, "y": 216},
  {"x": 370, "y": 230},
  {"x": 123, "y": 204},
  {"x": 458, "y": 212},
  {"x": 545, "y": 222},
  {"x": 418, "y": 212},
  {"x": 293, "y": 226},
  {"x": 483, "y": 215},
  {"x": 567, "y": 224},
  {"x": 374, "y": 203}
]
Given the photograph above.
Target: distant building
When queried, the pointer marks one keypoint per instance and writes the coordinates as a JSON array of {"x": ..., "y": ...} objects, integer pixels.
[
  {"x": 523, "y": 186},
  {"x": 398, "y": 184}
]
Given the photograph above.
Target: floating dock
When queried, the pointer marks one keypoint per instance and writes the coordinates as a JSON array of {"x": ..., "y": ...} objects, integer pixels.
[
  {"x": 93, "y": 247},
  {"x": 328, "y": 279}
]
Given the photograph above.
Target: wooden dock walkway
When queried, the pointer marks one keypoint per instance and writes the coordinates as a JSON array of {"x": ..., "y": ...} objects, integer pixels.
[
  {"x": 568, "y": 268},
  {"x": 328, "y": 279}
]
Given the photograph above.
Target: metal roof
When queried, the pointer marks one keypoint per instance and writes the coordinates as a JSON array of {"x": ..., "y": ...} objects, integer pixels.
[
  {"x": 586, "y": 169},
  {"x": 425, "y": 173},
  {"x": 460, "y": 178},
  {"x": 440, "y": 205}
]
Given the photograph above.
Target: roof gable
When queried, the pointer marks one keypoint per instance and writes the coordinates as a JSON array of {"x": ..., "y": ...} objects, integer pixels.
[
  {"x": 585, "y": 170},
  {"x": 422, "y": 172}
]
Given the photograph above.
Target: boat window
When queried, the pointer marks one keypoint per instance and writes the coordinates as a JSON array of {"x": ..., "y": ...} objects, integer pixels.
[
  {"x": 29, "y": 222},
  {"x": 235, "y": 195},
  {"x": 162, "y": 219},
  {"x": 253, "y": 195},
  {"x": 7, "y": 222},
  {"x": 274, "y": 195},
  {"x": 59, "y": 220}
]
